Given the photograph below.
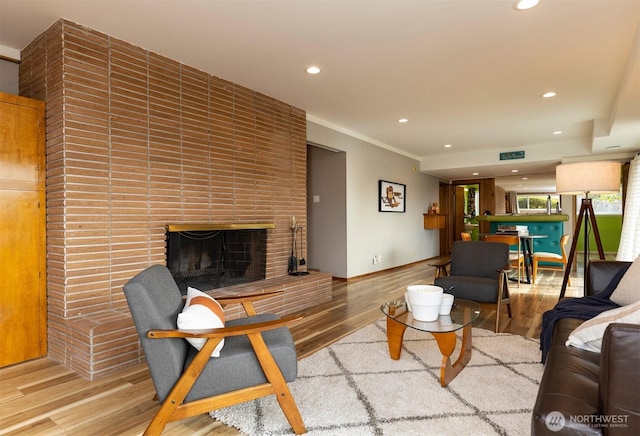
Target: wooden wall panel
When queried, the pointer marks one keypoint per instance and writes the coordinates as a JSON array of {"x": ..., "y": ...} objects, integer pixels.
[{"x": 22, "y": 230}]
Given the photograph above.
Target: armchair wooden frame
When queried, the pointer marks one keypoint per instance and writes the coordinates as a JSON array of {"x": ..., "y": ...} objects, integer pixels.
[
  {"x": 503, "y": 293},
  {"x": 174, "y": 408}
]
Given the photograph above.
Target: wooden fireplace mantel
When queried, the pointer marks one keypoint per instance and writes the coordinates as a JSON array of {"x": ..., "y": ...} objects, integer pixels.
[{"x": 195, "y": 227}]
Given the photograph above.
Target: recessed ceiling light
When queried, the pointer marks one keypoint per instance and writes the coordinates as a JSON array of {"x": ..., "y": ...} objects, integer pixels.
[
  {"x": 523, "y": 5},
  {"x": 525, "y": 178},
  {"x": 514, "y": 171},
  {"x": 476, "y": 174},
  {"x": 448, "y": 146},
  {"x": 549, "y": 94},
  {"x": 557, "y": 132},
  {"x": 313, "y": 69},
  {"x": 403, "y": 120}
]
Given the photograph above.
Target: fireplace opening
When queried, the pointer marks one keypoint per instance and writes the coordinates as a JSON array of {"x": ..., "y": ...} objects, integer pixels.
[{"x": 210, "y": 257}]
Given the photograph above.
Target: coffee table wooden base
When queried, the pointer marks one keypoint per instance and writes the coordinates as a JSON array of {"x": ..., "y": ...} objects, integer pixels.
[{"x": 446, "y": 344}]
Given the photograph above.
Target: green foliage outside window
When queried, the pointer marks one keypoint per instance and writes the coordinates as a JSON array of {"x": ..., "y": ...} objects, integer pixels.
[{"x": 603, "y": 204}]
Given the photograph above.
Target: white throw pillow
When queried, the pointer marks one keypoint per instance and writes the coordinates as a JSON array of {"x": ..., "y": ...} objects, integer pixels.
[
  {"x": 590, "y": 333},
  {"x": 628, "y": 290},
  {"x": 201, "y": 312}
]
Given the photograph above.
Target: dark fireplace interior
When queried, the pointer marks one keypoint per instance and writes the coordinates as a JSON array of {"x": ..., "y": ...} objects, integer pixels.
[{"x": 210, "y": 259}]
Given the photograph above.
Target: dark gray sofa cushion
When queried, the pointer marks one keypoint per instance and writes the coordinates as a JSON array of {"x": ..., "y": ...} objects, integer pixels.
[
  {"x": 237, "y": 367},
  {"x": 155, "y": 301}
]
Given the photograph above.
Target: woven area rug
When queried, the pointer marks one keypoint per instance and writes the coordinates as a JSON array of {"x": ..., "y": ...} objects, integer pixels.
[{"x": 354, "y": 388}]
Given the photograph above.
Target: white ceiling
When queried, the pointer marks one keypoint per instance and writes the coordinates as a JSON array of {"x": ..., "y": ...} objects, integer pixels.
[{"x": 464, "y": 72}]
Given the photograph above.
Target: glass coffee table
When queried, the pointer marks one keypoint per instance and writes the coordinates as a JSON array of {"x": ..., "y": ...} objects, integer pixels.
[{"x": 443, "y": 330}]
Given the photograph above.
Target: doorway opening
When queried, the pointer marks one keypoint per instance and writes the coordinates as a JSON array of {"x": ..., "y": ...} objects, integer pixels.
[
  {"x": 467, "y": 204},
  {"x": 463, "y": 209}
]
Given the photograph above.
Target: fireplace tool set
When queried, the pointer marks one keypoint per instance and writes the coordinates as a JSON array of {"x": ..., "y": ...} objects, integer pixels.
[{"x": 293, "y": 260}]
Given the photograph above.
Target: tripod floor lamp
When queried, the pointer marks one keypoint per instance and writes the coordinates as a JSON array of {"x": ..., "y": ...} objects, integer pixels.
[{"x": 591, "y": 177}]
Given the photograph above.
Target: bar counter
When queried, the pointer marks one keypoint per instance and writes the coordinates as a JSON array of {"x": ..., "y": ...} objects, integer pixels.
[{"x": 538, "y": 224}]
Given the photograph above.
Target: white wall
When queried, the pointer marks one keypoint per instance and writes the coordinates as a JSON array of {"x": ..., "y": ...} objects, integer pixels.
[
  {"x": 9, "y": 77},
  {"x": 399, "y": 238},
  {"x": 327, "y": 212}
]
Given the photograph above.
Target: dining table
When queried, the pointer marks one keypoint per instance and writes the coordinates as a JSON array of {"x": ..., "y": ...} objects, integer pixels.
[{"x": 526, "y": 247}]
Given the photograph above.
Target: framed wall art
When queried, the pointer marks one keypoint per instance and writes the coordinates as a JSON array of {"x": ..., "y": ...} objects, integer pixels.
[{"x": 391, "y": 196}]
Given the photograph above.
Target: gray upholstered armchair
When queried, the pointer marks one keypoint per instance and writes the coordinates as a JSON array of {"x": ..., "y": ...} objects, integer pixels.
[
  {"x": 479, "y": 273},
  {"x": 258, "y": 358}
]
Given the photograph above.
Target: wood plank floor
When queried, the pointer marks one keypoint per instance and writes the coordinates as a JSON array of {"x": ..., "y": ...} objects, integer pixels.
[{"x": 41, "y": 397}]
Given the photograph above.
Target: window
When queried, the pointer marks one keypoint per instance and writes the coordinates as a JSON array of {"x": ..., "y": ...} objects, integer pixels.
[
  {"x": 537, "y": 203},
  {"x": 604, "y": 204}
]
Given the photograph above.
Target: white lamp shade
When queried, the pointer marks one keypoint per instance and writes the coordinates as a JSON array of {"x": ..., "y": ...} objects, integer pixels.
[{"x": 596, "y": 177}]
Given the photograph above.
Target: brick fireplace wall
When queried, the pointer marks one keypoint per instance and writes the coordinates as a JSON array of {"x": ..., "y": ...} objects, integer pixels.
[{"x": 136, "y": 141}]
